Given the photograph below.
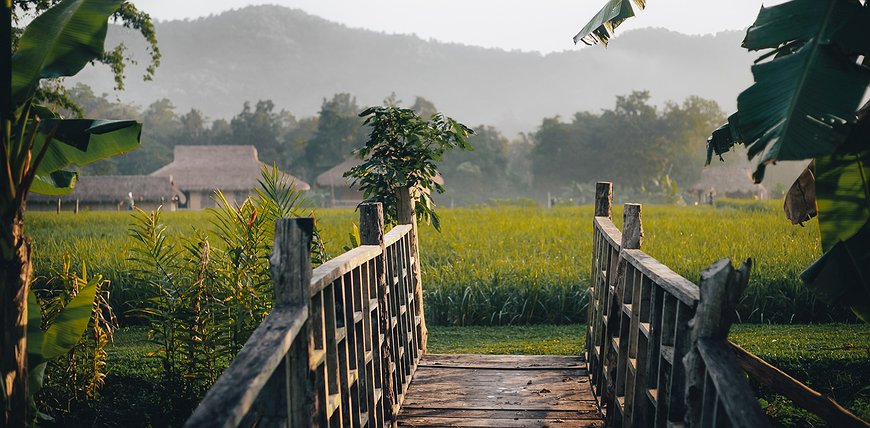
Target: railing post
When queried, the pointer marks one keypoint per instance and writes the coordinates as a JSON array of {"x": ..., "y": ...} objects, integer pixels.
[
  {"x": 407, "y": 215},
  {"x": 616, "y": 359},
  {"x": 632, "y": 227},
  {"x": 371, "y": 232},
  {"x": 290, "y": 392},
  {"x": 603, "y": 199},
  {"x": 721, "y": 287}
]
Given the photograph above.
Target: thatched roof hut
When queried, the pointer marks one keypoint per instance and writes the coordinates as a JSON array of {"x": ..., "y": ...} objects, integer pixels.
[
  {"x": 334, "y": 177},
  {"x": 108, "y": 191},
  {"x": 728, "y": 181},
  {"x": 206, "y": 168}
]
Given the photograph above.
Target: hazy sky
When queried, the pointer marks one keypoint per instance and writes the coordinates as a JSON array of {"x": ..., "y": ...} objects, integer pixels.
[{"x": 544, "y": 25}]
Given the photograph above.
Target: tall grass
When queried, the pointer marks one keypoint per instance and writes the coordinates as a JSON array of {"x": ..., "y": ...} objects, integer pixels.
[{"x": 519, "y": 265}]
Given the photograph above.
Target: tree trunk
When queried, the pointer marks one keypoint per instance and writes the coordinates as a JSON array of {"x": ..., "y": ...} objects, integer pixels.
[{"x": 16, "y": 272}]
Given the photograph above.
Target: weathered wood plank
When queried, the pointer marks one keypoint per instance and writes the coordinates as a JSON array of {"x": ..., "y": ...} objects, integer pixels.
[
  {"x": 683, "y": 289},
  {"x": 417, "y": 412},
  {"x": 804, "y": 396},
  {"x": 543, "y": 362},
  {"x": 498, "y": 423},
  {"x": 713, "y": 376},
  {"x": 230, "y": 398},
  {"x": 603, "y": 198},
  {"x": 609, "y": 230},
  {"x": 396, "y": 233},
  {"x": 335, "y": 268}
]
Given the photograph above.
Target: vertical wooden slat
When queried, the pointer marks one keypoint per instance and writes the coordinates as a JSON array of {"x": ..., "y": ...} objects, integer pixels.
[{"x": 372, "y": 233}]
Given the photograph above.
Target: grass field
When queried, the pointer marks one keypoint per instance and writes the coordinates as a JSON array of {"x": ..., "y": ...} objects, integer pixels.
[{"x": 515, "y": 265}]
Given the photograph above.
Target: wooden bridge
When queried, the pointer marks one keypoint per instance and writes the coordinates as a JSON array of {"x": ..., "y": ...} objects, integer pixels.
[{"x": 345, "y": 346}]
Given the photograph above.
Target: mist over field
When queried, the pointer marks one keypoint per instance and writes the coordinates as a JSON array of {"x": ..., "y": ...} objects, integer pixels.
[{"x": 296, "y": 60}]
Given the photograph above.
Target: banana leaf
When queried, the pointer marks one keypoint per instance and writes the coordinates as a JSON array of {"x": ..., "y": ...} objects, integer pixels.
[
  {"x": 601, "y": 27},
  {"x": 842, "y": 274},
  {"x": 60, "y": 42},
  {"x": 66, "y": 330},
  {"x": 804, "y": 100},
  {"x": 83, "y": 141},
  {"x": 56, "y": 183}
]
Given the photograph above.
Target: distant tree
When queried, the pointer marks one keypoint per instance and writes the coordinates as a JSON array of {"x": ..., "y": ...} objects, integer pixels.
[
  {"x": 424, "y": 107},
  {"x": 339, "y": 132},
  {"x": 481, "y": 173},
  {"x": 193, "y": 130}
]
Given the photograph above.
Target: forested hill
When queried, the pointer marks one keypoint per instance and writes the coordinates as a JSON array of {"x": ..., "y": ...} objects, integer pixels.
[{"x": 297, "y": 60}]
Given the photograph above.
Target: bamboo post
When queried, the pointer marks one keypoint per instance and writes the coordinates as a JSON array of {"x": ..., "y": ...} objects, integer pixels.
[
  {"x": 290, "y": 393},
  {"x": 58, "y": 205},
  {"x": 408, "y": 215},
  {"x": 603, "y": 199},
  {"x": 371, "y": 232},
  {"x": 76, "y": 211},
  {"x": 721, "y": 287}
]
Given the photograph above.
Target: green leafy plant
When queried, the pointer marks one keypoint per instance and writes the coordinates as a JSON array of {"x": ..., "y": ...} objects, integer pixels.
[
  {"x": 38, "y": 149},
  {"x": 72, "y": 319},
  {"x": 203, "y": 300},
  {"x": 402, "y": 151}
]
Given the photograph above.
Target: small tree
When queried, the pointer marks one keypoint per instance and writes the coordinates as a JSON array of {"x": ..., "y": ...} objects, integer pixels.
[{"x": 401, "y": 152}]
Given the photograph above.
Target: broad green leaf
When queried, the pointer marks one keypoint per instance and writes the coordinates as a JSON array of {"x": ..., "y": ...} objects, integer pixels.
[
  {"x": 802, "y": 102},
  {"x": 56, "y": 183},
  {"x": 67, "y": 329},
  {"x": 34, "y": 330},
  {"x": 842, "y": 196},
  {"x": 601, "y": 27},
  {"x": 841, "y": 275},
  {"x": 59, "y": 43},
  {"x": 83, "y": 141}
]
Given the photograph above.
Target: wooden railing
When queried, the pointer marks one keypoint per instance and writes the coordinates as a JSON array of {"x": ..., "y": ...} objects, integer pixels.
[
  {"x": 342, "y": 341},
  {"x": 640, "y": 331}
]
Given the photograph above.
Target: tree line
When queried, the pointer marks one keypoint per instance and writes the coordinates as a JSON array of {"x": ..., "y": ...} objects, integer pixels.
[{"x": 635, "y": 144}]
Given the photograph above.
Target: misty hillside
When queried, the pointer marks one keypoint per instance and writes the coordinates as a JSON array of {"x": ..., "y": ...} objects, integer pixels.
[{"x": 296, "y": 59}]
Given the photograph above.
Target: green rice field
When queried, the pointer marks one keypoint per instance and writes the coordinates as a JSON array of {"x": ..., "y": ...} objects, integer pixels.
[{"x": 513, "y": 265}]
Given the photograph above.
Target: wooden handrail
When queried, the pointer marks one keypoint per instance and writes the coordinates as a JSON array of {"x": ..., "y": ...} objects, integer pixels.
[
  {"x": 342, "y": 341},
  {"x": 234, "y": 393},
  {"x": 781, "y": 383},
  {"x": 656, "y": 347}
]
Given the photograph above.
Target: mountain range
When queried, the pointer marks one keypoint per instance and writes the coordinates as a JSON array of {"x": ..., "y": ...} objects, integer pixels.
[{"x": 296, "y": 59}]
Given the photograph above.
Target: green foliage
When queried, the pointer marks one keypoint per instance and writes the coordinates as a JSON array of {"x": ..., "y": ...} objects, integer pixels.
[
  {"x": 202, "y": 301},
  {"x": 814, "y": 46},
  {"x": 402, "y": 151},
  {"x": 116, "y": 58},
  {"x": 71, "y": 318},
  {"x": 633, "y": 144}
]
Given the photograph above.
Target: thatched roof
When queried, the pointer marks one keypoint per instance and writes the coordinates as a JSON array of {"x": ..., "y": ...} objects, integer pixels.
[
  {"x": 334, "y": 177},
  {"x": 114, "y": 189},
  {"x": 206, "y": 168},
  {"x": 721, "y": 179}
]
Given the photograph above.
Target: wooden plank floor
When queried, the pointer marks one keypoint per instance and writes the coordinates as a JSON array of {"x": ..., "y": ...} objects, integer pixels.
[{"x": 500, "y": 391}]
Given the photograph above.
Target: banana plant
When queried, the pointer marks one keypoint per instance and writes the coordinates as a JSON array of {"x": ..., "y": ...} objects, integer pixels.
[
  {"x": 62, "y": 334},
  {"x": 39, "y": 153},
  {"x": 804, "y": 104}
]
